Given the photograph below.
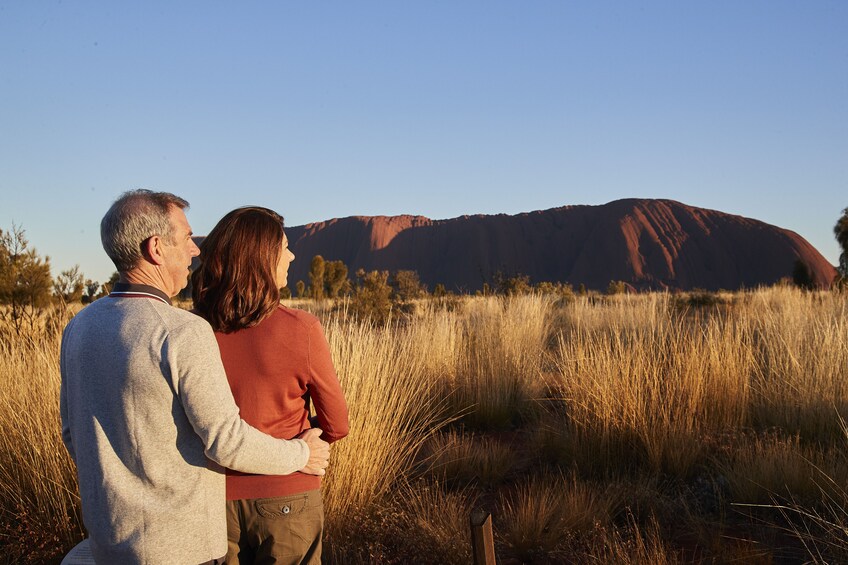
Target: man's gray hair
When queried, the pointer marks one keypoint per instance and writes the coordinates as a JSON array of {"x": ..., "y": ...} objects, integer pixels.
[{"x": 133, "y": 218}]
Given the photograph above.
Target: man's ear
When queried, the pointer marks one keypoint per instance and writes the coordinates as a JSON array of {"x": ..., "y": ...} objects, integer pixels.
[{"x": 151, "y": 249}]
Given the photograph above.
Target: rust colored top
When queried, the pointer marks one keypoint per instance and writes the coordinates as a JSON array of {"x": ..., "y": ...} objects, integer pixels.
[{"x": 275, "y": 369}]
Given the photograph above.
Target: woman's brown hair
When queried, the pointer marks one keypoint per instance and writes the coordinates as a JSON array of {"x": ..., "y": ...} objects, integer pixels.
[{"x": 234, "y": 287}]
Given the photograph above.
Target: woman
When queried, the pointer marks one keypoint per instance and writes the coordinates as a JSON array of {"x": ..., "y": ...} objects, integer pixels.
[{"x": 277, "y": 362}]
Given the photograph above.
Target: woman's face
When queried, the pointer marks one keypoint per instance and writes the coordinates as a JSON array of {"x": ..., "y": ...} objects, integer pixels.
[{"x": 286, "y": 257}]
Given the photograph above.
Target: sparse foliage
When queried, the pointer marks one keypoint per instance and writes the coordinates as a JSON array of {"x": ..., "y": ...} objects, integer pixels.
[
  {"x": 372, "y": 297},
  {"x": 91, "y": 288},
  {"x": 840, "y": 230},
  {"x": 69, "y": 285},
  {"x": 407, "y": 286},
  {"x": 562, "y": 290},
  {"x": 616, "y": 287},
  {"x": 316, "y": 278},
  {"x": 25, "y": 281},
  {"x": 512, "y": 285},
  {"x": 336, "y": 281},
  {"x": 106, "y": 287}
]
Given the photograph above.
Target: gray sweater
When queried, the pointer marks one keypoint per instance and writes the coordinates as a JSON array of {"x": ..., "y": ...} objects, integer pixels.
[{"x": 145, "y": 406}]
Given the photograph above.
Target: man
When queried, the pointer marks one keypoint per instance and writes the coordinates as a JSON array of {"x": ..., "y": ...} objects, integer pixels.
[{"x": 147, "y": 414}]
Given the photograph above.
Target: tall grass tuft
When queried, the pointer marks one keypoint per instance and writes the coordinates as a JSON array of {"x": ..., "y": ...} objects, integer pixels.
[
  {"x": 636, "y": 545},
  {"x": 465, "y": 459},
  {"x": 540, "y": 514},
  {"x": 801, "y": 349},
  {"x": 392, "y": 411},
  {"x": 39, "y": 502},
  {"x": 648, "y": 393},
  {"x": 501, "y": 359}
]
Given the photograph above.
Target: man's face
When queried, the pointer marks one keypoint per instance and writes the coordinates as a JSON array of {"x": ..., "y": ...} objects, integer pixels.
[{"x": 178, "y": 254}]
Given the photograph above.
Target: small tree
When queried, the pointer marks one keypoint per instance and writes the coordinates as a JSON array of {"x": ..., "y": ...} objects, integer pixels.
[
  {"x": 91, "y": 288},
  {"x": 616, "y": 287},
  {"x": 407, "y": 286},
  {"x": 25, "y": 281},
  {"x": 516, "y": 284},
  {"x": 372, "y": 297},
  {"x": 439, "y": 291},
  {"x": 285, "y": 293},
  {"x": 301, "y": 289},
  {"x": 840, "y": 230},
  {"x": 316, "y": 278},
  {"x": 69, "y": 285},
  {"x": 106, "y": 287},
  {"x": 335, "y": 278},
  {"x": 562, "y": 290},
  {"x": 545, "y": 287},
  {"x": 7, "y": 277}
]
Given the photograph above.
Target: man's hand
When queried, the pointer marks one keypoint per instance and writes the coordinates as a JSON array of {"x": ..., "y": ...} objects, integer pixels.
[{"x": 319, "y": 452}]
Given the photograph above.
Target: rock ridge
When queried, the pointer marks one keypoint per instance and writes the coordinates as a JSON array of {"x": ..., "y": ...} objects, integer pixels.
[{"x": 651, "y": 244}]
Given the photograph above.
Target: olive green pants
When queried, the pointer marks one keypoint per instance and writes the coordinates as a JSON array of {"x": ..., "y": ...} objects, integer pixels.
[{"x": 283, "y": 529}]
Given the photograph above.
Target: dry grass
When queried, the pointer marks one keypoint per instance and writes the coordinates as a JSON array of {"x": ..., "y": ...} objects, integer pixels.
[
  {"x": 801, "y": 351},
  {"x": 465, "y": 459},
  {"x": 652, "y": 392},
  {"x": 498, "y": 354},
  {"x": 771, "y": 467},
  {"x": 636, "y": 545},
  {"x": 542, "y": 514},
  {"x": 419, "y": 523},
  {"x": 556, "y": 407},
  {"x": 392, "y": 412},
  {"x": 39, "y": 502}
]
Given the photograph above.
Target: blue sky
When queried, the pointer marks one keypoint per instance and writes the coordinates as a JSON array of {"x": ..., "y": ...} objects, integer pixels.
[{"x": 438, "y": 108}]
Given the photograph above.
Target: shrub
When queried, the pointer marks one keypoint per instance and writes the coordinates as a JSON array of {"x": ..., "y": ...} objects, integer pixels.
[
  {"x": 372, "y": 297},
  {"x": 616, "y": 287},
  {"x": 407, "y": 286},
  {"x": 511, "y": 285}
]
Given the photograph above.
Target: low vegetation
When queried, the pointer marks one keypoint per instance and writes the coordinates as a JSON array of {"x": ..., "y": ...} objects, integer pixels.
[{"x": 626, "y": 428}]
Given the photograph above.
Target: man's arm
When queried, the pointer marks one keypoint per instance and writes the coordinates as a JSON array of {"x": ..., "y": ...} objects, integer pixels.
[{"x": 198, "y": 377}]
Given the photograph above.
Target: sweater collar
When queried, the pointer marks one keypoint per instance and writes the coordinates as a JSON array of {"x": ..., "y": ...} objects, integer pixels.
[{"x": 130, "y": 290}]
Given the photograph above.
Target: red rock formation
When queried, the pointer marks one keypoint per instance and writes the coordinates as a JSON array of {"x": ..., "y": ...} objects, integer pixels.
[{"x": 650, "y": 244}]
